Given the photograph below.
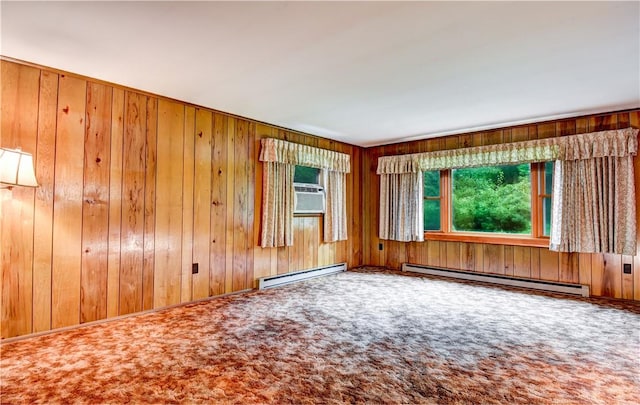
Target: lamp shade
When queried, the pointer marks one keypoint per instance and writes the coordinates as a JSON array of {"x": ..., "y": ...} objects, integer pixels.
[{"x": 16, "y": 168}]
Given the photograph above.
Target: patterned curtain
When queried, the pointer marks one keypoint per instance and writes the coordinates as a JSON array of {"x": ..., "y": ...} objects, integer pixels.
[
  {"x": 280, "y": 159},
  {"x": 539, "y": 150},
  {"x": 335, "y": 216},
  {"x": 277, "y": 205},
  {"x": 276, "y": 150},
  {"x": 401, "y": 214},
  {"x": 594, "y": 203}
]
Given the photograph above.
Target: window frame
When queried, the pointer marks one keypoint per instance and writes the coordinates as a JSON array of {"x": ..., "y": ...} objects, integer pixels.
[{"x": 536, "y": 239}]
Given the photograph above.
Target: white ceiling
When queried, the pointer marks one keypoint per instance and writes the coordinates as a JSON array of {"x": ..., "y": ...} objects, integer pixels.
[{"x": 366, "y": 73}]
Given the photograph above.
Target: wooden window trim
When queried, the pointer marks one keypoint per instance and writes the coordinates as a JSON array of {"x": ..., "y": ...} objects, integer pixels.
[
  {"x": 493, "y": 239},
  {"x": 536, "y": 239}
]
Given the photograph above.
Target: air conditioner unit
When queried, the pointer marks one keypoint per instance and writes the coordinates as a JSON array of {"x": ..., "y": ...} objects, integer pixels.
[{"x": 309, "y": 199}]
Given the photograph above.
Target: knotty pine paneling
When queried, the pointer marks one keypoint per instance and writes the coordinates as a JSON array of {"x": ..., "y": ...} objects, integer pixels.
[
  {"x": 95, "y": 208},
  {"x": 132, "y": 205},
  {"x": 134, "y": 189},
  {"x": 174, "y": 185},
  {"x": 185, "y": 174},
  {"x": 202, "y": 202},
  {"x": 151, "y": 169},
  {"x": 20, "y": 93},
  {"x": 43, "y": 208},
  {"x": 603, "y": 273},
  {"x": 67, "y": 203}
]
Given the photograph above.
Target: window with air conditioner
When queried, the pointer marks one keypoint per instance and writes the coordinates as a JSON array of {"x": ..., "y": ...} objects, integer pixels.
[{"x": 309, "y": 193}]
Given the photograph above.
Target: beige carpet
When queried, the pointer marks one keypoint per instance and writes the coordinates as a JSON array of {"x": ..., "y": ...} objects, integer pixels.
[{"x": 367, "y": 336}]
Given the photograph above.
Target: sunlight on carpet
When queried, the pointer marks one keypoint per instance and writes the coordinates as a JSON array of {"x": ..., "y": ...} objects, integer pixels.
[{"x": 365, "y": 336}]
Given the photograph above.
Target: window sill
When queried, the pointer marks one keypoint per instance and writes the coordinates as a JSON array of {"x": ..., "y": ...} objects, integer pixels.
[{"x": 489, "y": 239}]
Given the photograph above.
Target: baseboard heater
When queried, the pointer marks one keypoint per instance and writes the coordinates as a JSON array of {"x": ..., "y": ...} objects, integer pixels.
[
  {"x": 574, "y": 289},
  {"x": 280, "y": 279}
]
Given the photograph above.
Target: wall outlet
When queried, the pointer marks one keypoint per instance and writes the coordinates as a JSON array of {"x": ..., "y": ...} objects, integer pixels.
[
  {"x": 380, "y": 246},
  {"x": 627, "y": 268},
  {"x": 194, "y": 268}
]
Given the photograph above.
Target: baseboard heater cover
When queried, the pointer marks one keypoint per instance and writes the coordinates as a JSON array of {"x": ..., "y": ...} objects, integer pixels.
[
  {"x": 566, "y": 288},
  {"x": 281, "y": 279}
]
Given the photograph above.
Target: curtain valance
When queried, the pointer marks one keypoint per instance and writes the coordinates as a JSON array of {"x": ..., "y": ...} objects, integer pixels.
[
  {"x": 276, "y": 150},
  {"x": 595, "y": 144},
  {"x": 617, "y": 143}
]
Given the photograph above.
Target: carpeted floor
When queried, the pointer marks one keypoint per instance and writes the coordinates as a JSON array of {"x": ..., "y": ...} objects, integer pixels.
[{"x": 366, "y": 336}]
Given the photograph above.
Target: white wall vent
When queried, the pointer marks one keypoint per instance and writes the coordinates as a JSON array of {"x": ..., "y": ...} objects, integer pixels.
[{"x": 309, "y": 199}]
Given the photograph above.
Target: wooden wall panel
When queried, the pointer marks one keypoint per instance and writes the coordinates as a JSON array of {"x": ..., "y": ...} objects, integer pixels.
[
  {"x": 151, "y": 158},
  {"x": 20, "y": 93},
  {"x": 95, "y": 204},
  {"x": 134, "y": 189},
  {"x": 250, "y": 197},
  {"x": 169, "y": 213},
  {"x": 202, "y": 203},
  {"x": 240, "y": 206},
  {"x": 218, "y": 205},
  {"x": 188, "y": 170},
  {"x": 229, "y": 203},
  {"x": 493, "y": 259},
  {"x": 612, "y": 276},
  {"x": 603, "y": 273},
  {"x": 43, "y": 209},
  {"x": 356, "y": 214},
  {"x": 132, "y": 217},
  {"x": 569, "y": 270},
  {"x": 508, "y": 260},
  {"x": 67, "y": 205},
  {"x": 115, "y": 203},
  {"x": 522, "y": 261}
]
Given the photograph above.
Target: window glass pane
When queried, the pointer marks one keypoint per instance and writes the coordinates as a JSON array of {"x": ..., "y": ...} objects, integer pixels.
[
  {"x": 432, "y": 184},
  {"x": 548, "y": 177},
  {"x": 304, "y": 174},
  {"x": 431, "y": 215},
  {"x": 546, "y": 207},
  {"x": 492, "y": 199}
]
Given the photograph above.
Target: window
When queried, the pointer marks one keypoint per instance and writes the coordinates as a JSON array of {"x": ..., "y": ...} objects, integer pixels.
[
  {"x": 510, "y": 202},
  {"x": 432, "y": 198},
  {"x": 492, "y": 199},
  {"x": 545, "y": 187},
  {"x": 307, "y": 175},
  {"x": 309, "y": 198}
]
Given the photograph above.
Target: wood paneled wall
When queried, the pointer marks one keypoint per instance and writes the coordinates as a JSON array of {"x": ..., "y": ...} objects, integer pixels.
[
  {"x": 134, "y": 189},
  {"x": 602, "y": 272}
]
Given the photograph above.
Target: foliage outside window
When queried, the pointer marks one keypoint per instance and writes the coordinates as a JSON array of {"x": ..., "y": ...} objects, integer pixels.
[
  {"x": 492, "y": 199},
  {"x": 507, "y": 200},
  {"x": 304, "y": 174},
  {"x": 431, "y": 205}
]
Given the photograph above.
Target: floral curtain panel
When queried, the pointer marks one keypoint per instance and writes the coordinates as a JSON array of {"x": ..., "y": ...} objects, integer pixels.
[
  {"x": 280, "y": 158},
  {"x": 277, "y": 205},
  {"x": 594, "y": 203},
  {"x": 401, "y": 214},
  {"x": 335, "y": 217}
]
